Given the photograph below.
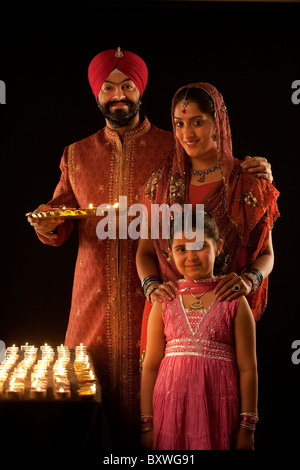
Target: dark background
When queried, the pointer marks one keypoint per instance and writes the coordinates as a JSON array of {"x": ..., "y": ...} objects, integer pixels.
[{"x": 249, "y": 51}]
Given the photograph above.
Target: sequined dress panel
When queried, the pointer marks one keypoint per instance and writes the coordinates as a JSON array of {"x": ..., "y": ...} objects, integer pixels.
[{"x": 196, "y": 395}]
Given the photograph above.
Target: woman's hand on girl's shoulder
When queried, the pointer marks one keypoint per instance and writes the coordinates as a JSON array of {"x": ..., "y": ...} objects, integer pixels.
[
  {"x": 166, "y": 291},
  {"x": 232, "y": 286}
]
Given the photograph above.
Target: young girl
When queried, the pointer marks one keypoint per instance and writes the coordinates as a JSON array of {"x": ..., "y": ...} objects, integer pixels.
[{"x": 199, "y": 379}]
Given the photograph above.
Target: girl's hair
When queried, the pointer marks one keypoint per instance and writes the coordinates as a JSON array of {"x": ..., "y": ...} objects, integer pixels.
[
  {"x": 198, "y": 96},
  {"x": 210, "y": 230}
]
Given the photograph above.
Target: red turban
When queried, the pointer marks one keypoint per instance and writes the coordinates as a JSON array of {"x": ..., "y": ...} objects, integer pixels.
[{"x": 127, "y": 62}]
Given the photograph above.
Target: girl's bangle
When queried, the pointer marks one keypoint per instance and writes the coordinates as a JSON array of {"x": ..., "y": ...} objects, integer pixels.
[
  {"x": 146, "y": 420},
  {"x": 248, "y": 420},
  {"x": 146, "y": 429},
  {"x": 249, "y": 427}
]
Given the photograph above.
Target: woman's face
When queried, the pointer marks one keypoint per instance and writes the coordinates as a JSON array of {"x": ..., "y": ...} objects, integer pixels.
[{"x": 195, "y": 131}]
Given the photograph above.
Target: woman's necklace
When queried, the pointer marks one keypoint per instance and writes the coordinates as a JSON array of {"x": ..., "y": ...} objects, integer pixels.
[
  {"x": 197, "y": 304},
  {"x": 203, "y": 173}
]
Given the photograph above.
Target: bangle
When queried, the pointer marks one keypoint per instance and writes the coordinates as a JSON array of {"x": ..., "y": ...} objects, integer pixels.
[
  {"x": 255, "y": 277},
  {"x": 149, "y": 279},
  {"x": 249, "y": 427},
  {"x": 258, "y": 273},
  {"x": 249, "y": 414},
  {"x": 154, "y": 285},
  {"x": 248, "y": 420},
  {"x": 146, "y": 429},
  {"x": 146, "y": 420}
]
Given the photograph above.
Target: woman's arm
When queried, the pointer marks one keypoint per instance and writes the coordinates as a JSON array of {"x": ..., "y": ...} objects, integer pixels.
[
  {"x": 154, "y": 354},
  {"x": 264, "y": 263},
  {"x": 146, "y": 259},
  {"x": 147, "y": 264},
  {"x": 245, "y": 346}
]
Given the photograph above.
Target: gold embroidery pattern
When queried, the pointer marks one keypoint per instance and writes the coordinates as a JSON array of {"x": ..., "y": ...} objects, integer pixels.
[
  {"x": 249, "y": 199},
  {"x": 151, "y": 185},
  {"x": 71, "y": 165},
  {"x": 177, "y": 189},
  {"x": 119, "y": 327}
]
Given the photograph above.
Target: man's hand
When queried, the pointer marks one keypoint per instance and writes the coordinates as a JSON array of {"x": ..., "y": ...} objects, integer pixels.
[
  {"x": 258, "y": 166},
  {"x": 44, "y": 226}
]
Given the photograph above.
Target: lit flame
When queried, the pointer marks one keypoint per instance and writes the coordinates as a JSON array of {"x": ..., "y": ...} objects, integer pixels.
[
  {"x": 91, "y": 206},
  {"x": 116, "y": 205}
]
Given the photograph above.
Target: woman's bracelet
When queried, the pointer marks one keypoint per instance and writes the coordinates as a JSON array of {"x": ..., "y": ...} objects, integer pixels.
[
  {"x": 255, "y": 277},
  {"x": 149, "y": 279},
  {"x": 154, "y": 285},
  {"x": 149, "y": 284}
]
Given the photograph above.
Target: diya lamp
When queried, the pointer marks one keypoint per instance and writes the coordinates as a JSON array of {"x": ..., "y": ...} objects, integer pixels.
[
  {"x": 87, "y": 391},
  {"x": 38, "y": 390},
  {"x": 15, "y": 390},
  {"x": 62, "y": 393}
]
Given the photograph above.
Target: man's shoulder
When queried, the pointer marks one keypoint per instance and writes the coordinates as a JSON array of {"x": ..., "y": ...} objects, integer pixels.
[{"x": 162, "y": 132}]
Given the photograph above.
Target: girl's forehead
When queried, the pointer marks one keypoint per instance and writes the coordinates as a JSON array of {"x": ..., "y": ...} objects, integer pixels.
[{"x": 181, "y": 238}]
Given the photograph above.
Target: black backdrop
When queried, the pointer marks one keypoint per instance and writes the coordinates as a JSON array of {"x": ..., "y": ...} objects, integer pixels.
[{"x": 249, "y": 51}]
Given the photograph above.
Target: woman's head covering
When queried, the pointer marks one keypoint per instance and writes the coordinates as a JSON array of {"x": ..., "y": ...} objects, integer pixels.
[
  {"x": 224, "y": 142},
  {"x": 244, "y": 206},
  {"x": 127, "y": 62}
]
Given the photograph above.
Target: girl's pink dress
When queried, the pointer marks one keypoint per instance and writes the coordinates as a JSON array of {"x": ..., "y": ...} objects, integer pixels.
[{"x": 196, "y": 395}]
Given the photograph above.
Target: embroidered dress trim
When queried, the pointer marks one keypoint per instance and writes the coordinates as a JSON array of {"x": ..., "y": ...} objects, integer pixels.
[{"x": 203, "y": 348}]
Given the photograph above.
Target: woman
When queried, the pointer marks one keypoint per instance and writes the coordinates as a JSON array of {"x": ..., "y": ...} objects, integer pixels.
[{"x": 204, "y": 171}]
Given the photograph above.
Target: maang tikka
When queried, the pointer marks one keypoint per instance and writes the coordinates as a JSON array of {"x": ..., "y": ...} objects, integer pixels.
[{"x": 184, "y": 102}]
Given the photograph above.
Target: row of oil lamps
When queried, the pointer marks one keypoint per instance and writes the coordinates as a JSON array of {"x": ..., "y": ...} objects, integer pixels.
[{"x": 14, "y": 372}]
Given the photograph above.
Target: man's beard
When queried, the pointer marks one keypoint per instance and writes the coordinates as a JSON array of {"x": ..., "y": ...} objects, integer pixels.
[{"x": 120, "y": 117}]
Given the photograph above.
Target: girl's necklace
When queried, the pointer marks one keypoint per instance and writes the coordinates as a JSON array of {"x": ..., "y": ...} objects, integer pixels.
[
  {"x": 203, "y": 173},
  {"x": 197, "y": 304}
]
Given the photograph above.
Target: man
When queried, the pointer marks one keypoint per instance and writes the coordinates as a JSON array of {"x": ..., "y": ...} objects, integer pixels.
[{"x": 107, "y": 300}]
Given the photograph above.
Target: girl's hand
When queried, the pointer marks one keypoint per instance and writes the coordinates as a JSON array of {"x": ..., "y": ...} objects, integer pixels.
[
  {"x": 166, "y": 291},
  {"x": 244, "y": 440},
  {"x": 227, "y": 288},
  {"x": 147, "y": 439}
]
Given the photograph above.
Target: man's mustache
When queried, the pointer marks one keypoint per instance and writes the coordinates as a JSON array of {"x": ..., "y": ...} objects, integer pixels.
[{"x": 127, "y": 102}]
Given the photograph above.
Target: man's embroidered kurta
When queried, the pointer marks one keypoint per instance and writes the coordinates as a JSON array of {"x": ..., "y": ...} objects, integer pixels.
[{"x": 107, "y": 300}]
